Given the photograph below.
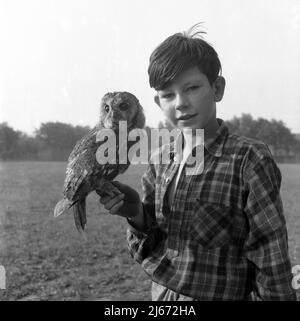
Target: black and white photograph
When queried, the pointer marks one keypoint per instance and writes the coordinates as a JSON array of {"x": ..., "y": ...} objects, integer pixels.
[{"x": 150, "y": 152}]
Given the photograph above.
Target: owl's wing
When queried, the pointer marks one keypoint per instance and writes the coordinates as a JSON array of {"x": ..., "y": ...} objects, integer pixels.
[
  {"x": 85, "y": 142},
  {"x": 84, "y": 174},
  {"x": 81, "y": 164}
]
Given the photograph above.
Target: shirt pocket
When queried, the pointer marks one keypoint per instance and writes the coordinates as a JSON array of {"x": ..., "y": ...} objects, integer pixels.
[{"x": 211, "y": 224}]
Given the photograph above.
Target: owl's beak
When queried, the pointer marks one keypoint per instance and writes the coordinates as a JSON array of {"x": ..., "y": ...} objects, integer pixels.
[{"x": 108, "y": 124}]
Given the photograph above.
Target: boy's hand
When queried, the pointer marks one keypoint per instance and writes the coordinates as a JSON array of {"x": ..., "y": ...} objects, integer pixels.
[{"x": 121, "y": 200}]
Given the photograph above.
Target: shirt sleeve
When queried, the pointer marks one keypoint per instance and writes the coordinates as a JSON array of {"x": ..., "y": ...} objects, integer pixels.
[
  {"x": 267, "y": 242},
  {"x": 142, "y": 242}
]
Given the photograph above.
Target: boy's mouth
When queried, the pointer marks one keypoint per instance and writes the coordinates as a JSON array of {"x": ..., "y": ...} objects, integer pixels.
[{"x": 185, "y": 117}]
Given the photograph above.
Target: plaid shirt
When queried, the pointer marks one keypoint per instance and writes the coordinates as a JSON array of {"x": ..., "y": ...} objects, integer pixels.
[{"x": 225, "y": 234}]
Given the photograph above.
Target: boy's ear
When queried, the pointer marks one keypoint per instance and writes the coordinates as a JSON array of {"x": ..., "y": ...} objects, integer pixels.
[
  {"x": 156, "y": 99},
  {"x": 219, "y": 87}
]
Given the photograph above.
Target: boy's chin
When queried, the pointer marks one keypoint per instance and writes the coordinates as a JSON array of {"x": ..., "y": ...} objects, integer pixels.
[{"x": 189, "y": 127}]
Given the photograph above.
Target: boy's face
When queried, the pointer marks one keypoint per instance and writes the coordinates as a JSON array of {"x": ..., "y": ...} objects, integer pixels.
[{"x": 190, "y": 101}]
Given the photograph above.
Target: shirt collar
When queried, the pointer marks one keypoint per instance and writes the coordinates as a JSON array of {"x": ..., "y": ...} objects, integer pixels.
[{"x": 215, "y": 146}]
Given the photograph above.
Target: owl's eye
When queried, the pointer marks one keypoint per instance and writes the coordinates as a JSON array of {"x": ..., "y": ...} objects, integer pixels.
[
  {"x": 106, "y": 108},
  {"x": 123, "y": 106}
]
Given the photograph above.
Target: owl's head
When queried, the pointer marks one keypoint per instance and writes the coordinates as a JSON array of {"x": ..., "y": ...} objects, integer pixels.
[{"x": 121, "y": 106}]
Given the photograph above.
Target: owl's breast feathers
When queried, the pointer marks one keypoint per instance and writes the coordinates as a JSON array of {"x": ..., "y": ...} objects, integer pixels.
[{"x": 83, "y": 170}]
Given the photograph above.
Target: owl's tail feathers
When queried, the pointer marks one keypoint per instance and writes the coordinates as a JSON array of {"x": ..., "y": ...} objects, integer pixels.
[
  {"x": 79, "y": 210},
  {"x": 62, "y": 206}
]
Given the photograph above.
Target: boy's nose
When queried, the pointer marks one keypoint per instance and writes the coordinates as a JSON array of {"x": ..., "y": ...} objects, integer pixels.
[{"x": 181, "y": 102}]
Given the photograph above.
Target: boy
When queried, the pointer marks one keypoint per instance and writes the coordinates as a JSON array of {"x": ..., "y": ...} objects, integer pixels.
[{"x": 219, "y": 234}]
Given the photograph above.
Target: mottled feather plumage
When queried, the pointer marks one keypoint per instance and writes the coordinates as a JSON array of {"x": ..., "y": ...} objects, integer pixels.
[{"x": 84, "y": 174}]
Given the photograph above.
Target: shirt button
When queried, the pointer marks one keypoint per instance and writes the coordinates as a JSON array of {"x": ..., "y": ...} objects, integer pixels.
[{"x": 168, "y": 180}]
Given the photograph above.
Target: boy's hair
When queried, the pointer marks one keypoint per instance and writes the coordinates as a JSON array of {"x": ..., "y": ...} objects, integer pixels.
[{"x": 180, "y": 52}]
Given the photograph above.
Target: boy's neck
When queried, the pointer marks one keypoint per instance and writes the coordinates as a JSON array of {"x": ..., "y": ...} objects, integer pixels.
[{"x": 191, "y": 139}]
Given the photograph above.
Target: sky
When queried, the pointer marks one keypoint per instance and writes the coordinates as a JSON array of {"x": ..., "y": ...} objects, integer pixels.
[{"x": 58, "y": 58}]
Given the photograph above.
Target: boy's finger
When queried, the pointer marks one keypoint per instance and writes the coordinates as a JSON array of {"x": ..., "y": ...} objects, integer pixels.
[
  {"x": 107, "y": 198},
  {"x": 108, "y": 192},
  {"x": 108, "y": 189},
  {"x": 110, "y": 203},
  {"x": 116, "y": 208},
  {"x": 117, "y": 185},
  {"x": 104, "y": 199}
]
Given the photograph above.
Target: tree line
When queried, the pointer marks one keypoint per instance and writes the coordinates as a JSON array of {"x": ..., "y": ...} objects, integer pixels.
[{"x": 53, "y": 141}]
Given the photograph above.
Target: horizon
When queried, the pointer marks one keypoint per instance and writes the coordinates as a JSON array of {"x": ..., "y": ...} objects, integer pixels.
[
  {"x": 146, "y": 125},
  {"x": 60, "y": 57}
]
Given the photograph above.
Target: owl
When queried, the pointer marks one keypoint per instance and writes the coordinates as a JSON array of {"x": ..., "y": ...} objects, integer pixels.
[{"x": 84, "y": 173}]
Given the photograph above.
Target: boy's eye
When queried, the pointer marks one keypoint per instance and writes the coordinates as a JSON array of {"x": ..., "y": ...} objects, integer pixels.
[
  {"x": 193, "y": 87},
  {"x": 106, "y": 108},
  {"x": 166, "y": 96}
]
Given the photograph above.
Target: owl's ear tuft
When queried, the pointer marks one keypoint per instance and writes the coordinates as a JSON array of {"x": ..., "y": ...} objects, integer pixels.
[{"x": 107, "y": 95}]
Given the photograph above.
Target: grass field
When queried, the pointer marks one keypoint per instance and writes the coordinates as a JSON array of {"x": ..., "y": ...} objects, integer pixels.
[{"x": 44, "y": 257}]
